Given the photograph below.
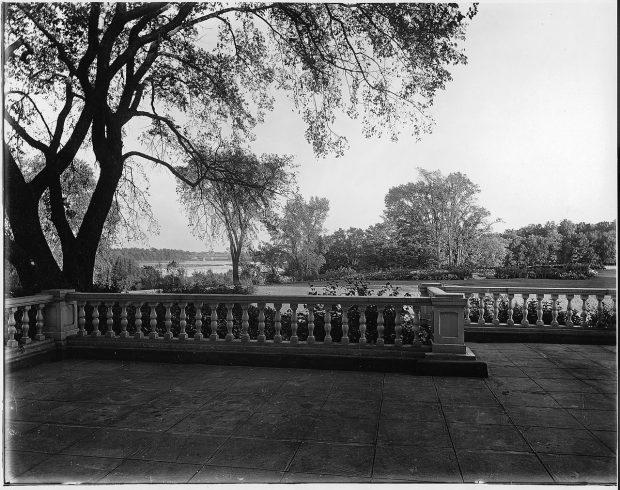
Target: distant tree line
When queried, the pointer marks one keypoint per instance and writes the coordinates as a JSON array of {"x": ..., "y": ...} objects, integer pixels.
[
  {"x": 431, "y": 229},
  {"x": 562, "y": 243},
  {"x": 166, "y": 255}
]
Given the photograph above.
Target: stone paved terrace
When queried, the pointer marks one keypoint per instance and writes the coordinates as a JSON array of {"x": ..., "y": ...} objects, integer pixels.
[{"x": 546, "y": 414}]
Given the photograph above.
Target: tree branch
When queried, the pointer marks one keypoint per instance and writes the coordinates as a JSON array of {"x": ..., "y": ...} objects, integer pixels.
[{"x": 22, "y": 133}]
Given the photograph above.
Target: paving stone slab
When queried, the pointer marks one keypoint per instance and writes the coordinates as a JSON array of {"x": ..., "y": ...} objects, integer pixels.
[
  {"x": 17, "y": 462},
  {"x": 507, "y": 383},
  {"x": 564, "y": 441},
  {"x": 523, "y": 398},
  {"x": 37, "y": 410},
  {"x": 413, "y": 433},
  {"x": 109, "y": 443},
  {"x": 266, "y": 454},
  {"x": 343, "y": 407},
  {"x": 501, "y": 467},
  {"x": 609, "y": 438},
  {"x": 484, "y": 415},
  {"x": 153, "y": 417},
  {"x": 135, "y": 471},
  {"x": 548, "y": 373},
  {"x": 214, "y": 421},
  {"x": 283, "y": 426},
  {"x": 585, "y": 401},
  {"x": 48, "y": 438},
  {"x": 472, "y": 398},
  {"x": 68, "y": 469},
  {"x": 420, "y": 412},
  {"x": 564, "y": 385},
  {"x": 437, "y": 465},
  {"x": 292, "y": 404},
  {"x": 333, "y": 459},
  {"x": 179, "y": 448},
  {"x": 495, "y": 437},
  {"x": 226, "y": 474},
  {"x": 322, "y": 479},
  {"x": 582, "y": 469},
  {"x": 596, "y": 419},
  {"x": 358, "y": 429},
  {"x": 542, "y": 417},
  {"x": 500, "y": 371}
]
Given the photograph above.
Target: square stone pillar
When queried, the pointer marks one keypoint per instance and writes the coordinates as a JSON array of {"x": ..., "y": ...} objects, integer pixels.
[
  {"x": 60, "y": 317},
  {"x": 449, "y": 323}
]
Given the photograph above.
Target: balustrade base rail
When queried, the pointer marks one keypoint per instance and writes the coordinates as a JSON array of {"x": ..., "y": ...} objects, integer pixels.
[
  {"x": 534, "y": 334},
  {"x": 413, "y": 360},
  {"x": 31, "y": 354}
]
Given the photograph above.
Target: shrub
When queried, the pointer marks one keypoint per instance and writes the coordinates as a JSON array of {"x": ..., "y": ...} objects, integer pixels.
[
  {"x": 593, "y": 320},
  {"x": 562, "y": 271}
]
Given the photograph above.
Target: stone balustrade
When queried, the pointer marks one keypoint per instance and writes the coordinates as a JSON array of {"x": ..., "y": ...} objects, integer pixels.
[
  {"x": 495, "y": 306},
  {"x": 249, "y": 318},
  {"x": 24, "y": 319}
]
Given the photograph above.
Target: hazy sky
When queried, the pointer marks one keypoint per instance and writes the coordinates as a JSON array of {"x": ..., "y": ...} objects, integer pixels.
[{"x": 531, "y": 119}]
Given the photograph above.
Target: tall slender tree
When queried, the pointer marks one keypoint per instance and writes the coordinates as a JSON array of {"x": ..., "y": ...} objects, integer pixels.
[{"x": 234, "y": 210}]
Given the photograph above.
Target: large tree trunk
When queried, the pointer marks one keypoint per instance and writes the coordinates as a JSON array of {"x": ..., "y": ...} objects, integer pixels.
[{"x": 27, "y": 250}]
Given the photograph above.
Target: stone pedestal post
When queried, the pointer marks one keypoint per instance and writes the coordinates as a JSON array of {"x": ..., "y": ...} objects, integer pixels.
[
  {"x": 447, "y": 319},
  {"x": 60, "y": 317}
]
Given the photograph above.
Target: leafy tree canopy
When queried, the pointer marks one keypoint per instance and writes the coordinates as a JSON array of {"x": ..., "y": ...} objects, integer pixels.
[{"x": 88, "y": 75}]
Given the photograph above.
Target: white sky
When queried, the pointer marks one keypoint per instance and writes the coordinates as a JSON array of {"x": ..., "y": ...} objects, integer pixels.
[{"x": 531, "y": 119}]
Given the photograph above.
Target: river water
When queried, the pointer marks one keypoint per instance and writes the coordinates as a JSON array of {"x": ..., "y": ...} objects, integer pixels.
[{"x": 217, "y": 266}]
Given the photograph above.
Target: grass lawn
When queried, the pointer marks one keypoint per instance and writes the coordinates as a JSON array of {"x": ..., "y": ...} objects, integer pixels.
[{"x": 606, "y": 279}]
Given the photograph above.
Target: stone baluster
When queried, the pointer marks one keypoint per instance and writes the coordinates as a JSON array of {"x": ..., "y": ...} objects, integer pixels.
[
  {"x": 467, "y": 308},
  {"x": 511, "y": 304},
  {"x": 261, "y": 322},
  {"x": 599, "y": 308},
  {"x": 109, "y": 321},
  {"x": 362, "y": 324},
  {"x": 398, "y": 328},
  {"x": 153, "y": 321},
  {"x": 294, "y": 337},
  {"x": 245, "y": 323},
  {"x": 496, "y": 309},
  {"x": 81, "y": 320},
  {"x": 569, "y": 310},
  {"x": 328, "y": 324},
  {"x": 416, "y": 327},
  {"x": 584, "y": 310},
  {"x": 182, "y": 322},
  {"x": 539, "y": 310},
  {"x": 277, "y": 324},
  {"x": 26, "y": 326},
  {"x": 481, "y": 320},
  {"x": 213, "y": 336},
  {"x": 524, "y": 322},
  {"x": 168, "y": 322},
  {"x": 11, "y": 342},
  {"x": 198, "y": 322},
  {"x": 229, "y": 322},
  {"x": 311, "y": 338},
  {"x": 124, "y": 333},
  {"x": 345, "y": 324},
  {"x": 95, "y": 320},
  {"x": 139, "y": 334},
  {"x": 40, "y": 335},
  {"x": 380, "y": 325},
  {"x": 554, "y": 310}
]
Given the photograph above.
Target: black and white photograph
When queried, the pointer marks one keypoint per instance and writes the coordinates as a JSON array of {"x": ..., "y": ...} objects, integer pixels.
[{"x": 310, "y": 243}]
